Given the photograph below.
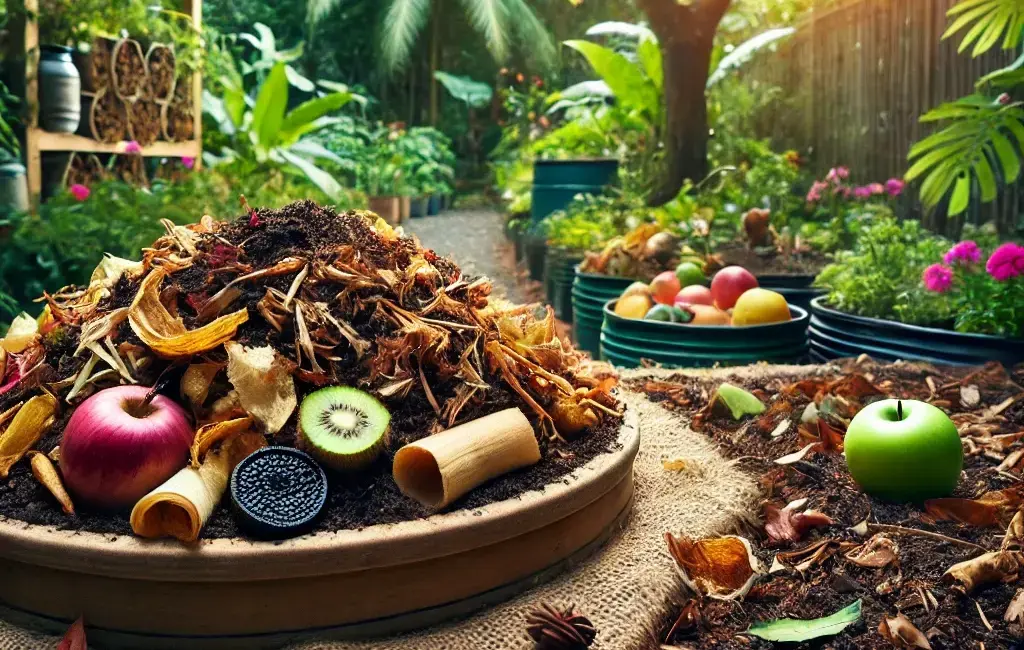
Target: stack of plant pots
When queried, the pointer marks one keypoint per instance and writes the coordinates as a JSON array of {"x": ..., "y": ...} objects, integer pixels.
[{"x": 559, "y": 274}]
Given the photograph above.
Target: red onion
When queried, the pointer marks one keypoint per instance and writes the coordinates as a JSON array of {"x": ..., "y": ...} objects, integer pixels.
[{"x": 116, "y": 448}]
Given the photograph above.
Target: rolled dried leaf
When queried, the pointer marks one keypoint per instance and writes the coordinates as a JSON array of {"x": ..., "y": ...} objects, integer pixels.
[
  {"x": 210, "y": 434},
  {"x": 165, "y": 334},
  {"x": 46, "y": 473},
  {"x": 723, "y": 568},
  {"x": 180, "y": 507},
  {"x": 439, "y": 469},
  {"x": 27, "y": 427}
]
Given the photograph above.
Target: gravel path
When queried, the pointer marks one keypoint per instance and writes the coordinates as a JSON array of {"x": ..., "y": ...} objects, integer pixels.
[{"x": 475, "y": 240}]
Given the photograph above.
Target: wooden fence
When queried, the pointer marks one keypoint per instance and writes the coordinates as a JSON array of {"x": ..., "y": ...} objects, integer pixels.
[{"x": 855, "y": 79}]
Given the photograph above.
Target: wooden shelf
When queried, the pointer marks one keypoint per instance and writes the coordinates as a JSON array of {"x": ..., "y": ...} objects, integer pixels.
[{"x": 47, "y": 141}]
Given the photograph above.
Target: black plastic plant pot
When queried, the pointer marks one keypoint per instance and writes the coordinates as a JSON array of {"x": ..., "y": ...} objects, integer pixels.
[
  {"x": 834, "y": 335},
  {"x": 797, "y": 289},
  {"x": 433, "y": 205},
  {"x": 519, "y": 242},
  {"x": 590, "y": 292},
  {"x": 418, "y": 207},
  {"x": 556, "y": 182},
  {"x": 559, "y": 273},
  {"x": 535, "y": 249},
  {"x": 627, "y": 341}
]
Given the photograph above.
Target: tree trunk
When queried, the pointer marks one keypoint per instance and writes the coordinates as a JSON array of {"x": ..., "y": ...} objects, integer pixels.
[
  {"x": 435, "y": 47},
  {"x": 686, "y": 34}
]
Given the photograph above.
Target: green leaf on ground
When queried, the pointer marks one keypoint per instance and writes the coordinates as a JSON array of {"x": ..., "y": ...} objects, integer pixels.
[
  {"x": 794, "y": 630},
  {"x": 738, "y": 401}
]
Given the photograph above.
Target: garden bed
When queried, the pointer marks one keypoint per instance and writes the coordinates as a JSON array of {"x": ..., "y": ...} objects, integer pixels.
[{"x": 921, "y": 543}]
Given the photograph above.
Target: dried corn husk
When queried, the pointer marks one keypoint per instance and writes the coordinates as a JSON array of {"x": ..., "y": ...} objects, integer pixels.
[
  {"x": 23, "y": 332},
  {"x": 441, "y": 468},
  {"x": 262, "y": 378},
  {"x": 196, "y": 381},
  {"x": 95, "y": 331},
  {"x": 27, "y": 427},
  {"x": 165, "y": 334},
  {"x": 181, "y": 505},
  {"x": 210, "y": 434},
  {"x": 46, "y": 473}
]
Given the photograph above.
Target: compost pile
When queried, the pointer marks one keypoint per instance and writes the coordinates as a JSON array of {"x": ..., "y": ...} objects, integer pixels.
[
  {"x": 240, "y": 321},
  {"x": 642, "y": 253},
  {"x": 849, "y": 570}
]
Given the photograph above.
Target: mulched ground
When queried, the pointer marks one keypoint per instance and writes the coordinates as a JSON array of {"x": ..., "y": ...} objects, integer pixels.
[
  {"x": 985, "y": 403},
  {"x": 809, "y": 263}
]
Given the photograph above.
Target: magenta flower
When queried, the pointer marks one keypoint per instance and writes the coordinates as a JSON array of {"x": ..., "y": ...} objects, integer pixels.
[
  {"x": 937, "y": 278},
  {"x": 862, "y": 192},
  {"x": 132, "y": 147},
  {"x": 814, "y": 195},
  {"x": 966, "y": 252},
  {"x": 837, "y": 174},
  {"x": 80, "y": 192},
  {"x": 894, "y": 186},
  {"x": 876, "y": 189},
  {"x": 1006, "y": 262},
  {"x": 188, "y": 161}
]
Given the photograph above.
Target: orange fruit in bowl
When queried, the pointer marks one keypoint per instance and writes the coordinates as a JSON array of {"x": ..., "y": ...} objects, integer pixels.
[
  {"x": 635, "y": 306},
  {"x": 760, "y": 307},
  {"x": 707, "y": 315},
  {"x": 664, "y": 287}
]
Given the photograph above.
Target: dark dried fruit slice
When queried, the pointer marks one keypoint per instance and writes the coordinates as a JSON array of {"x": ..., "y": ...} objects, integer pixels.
[{"x": 278, "y": 492}]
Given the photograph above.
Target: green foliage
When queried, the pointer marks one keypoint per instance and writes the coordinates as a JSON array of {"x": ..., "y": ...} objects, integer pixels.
[
  {"x": 796, "y": 630},
  {"x": 589, "y": 222},
  {"x": 474, "y": 94},
  {"x": 629, "y": 81},
  {"x": 991, "y": 19},
  {"x": 881, "y": 276},
  {"x": 9, "y": 146}
]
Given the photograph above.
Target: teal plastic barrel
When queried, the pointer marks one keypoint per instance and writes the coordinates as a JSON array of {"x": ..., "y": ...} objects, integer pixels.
[
  {"x": 625, "y": 341},
  {"x": 557, "y": 182},
  {"x": 590, "y": 293},
  {"x": 559, "y": 273}
]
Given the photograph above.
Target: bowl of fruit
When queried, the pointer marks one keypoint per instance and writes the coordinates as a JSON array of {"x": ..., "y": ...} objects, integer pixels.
[{"x": 682, "y": 320}]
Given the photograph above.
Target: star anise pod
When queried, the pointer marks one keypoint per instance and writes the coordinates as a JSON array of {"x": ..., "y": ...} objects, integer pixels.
[{"x": 559, "y": 629}]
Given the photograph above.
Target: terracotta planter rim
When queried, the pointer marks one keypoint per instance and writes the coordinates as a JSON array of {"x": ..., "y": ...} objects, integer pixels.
[{"x": 334, "y": 552}]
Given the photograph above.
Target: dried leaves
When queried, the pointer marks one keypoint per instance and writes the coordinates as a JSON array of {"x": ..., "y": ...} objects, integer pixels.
[
  {"x": 165, "y": 334},
  {"x": 994, "y": 508},
  {"x": 724, "y": 568},
  {"x": 46, "y": 474},
  {"x": 900, "y": 632},
  {"x": 264, "y": 384},
  {"x": 791, "y": 523},
  {"x": 1004, "y": 565},
  {"x": 26, "y": 428},
  {"x": 210, "y": 434},
  {"x": 876, "y": 553}
]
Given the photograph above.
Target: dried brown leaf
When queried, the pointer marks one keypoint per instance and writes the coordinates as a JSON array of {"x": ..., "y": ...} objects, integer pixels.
[
  {"x": 723, "y": 568},
  {"x": 994, "y": 508},
  {"x": 877, "y": 552},
  {"x": 788, "y": 524},
  {"x": 902, "y": 633},
  {"x": 808, "y": 557},
  {"x": 210, "y": 434},
  {"x": 797, "y": 456},
  {"x": 27, "y": 427},
  {"x": 264, "y": 384},
  {"x": 989, "y": 568},
  {"x": 1015, "y": 610},
  {"x": 46, "y": 474}
]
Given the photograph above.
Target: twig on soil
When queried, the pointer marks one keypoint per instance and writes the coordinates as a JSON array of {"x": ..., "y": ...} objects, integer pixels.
[{"x": 901, "y": 530}]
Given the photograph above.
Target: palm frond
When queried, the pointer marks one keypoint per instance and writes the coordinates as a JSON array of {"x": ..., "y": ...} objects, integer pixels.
[
  {"x": 532, "y": 31},
  {"x": 980, "y": 147},
  {"x": 986, "y": 22},
  {"x": 317, "y": 10},
  {"x": 490, "y": 18},
  {"x": 402, "y": 23}
]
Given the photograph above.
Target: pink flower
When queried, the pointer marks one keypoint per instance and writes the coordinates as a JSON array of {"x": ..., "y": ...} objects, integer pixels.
[
  {"x": 188, "y": 161},
  {"x": 814, "y": 195},
  {"x": 80, "y": 192},
  {"x": 837, "y": 174},
  {"x": 1006, "y": 262},
  {"x": 862, "y": 192},
  {"x": 894, "y": 186},
  {"x": 966, "y": 252},
  {"x": 876, "y": 189},
  {"x": 937, "y": 278},
  {"x": 132, "y": 147}
]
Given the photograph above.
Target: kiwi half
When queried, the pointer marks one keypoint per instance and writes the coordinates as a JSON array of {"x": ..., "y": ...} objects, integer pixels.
[{"x": 343, "y": 427}]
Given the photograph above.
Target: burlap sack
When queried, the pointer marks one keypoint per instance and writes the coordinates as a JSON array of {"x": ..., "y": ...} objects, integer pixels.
[{"x": 626, "y": 588}]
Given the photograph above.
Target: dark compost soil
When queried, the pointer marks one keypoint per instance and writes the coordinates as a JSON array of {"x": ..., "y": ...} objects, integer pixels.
[
  {"x": 951, "y": 621},
  {"x": 808, "y": 263}
]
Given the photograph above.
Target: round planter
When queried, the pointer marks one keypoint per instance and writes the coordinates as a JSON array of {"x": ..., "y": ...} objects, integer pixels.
[
  {"x": 535, "y": 251},
  {"x": 519, "y": 245},
  {"x": 559, "y": 274},
  {"x": 590, "y": 292},
  {"x": 349, "y": 584},
  {"x": 834, "y": 334},
  {"x": 60, "y": 89},
  {"x": 626, "y": 341},
  {"x": 388, "y": 208},
  {"x": 405, "y": 208},
  {"x": 797, "y": 289},
  {"x": 556, "y": 182},
  {"x": 13, "y": 188},
  {"x": 418, "y": 207},
  {"x": 433, "y": 205}
]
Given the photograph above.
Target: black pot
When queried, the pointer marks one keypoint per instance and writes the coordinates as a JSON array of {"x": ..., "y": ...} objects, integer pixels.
[
  {"x": 535, "y": 250},
  {"x": 418, "y": 207},
  {"x": 559, "y": 274},
  {"x": 834, "y": 334}
]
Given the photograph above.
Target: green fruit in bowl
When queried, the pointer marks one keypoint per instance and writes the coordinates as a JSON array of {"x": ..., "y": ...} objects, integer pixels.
[
  {"x": 690, "y": 273},
  {"x": 904, "y": 451},
  {"x": 680, "y": 315},
  {"x": 662, "y": 313}
]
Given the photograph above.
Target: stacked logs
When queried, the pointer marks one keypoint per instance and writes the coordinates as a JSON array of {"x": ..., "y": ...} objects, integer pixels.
[{"x": 128, "y": 94}]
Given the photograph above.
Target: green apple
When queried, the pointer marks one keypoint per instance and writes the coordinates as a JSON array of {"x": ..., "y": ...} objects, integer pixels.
[
  {"x": 904, "y": 450},
  {"x": 690, "y": 273}
]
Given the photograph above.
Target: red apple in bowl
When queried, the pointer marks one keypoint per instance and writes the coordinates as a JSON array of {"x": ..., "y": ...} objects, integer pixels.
[
  {"x": 695, "y": 294},
  {"x": 729, "y": 284},
  {"x": 116, "y": 448},
  {"x": 904, "y": 450},
  {"x": 664, "y": 287}
]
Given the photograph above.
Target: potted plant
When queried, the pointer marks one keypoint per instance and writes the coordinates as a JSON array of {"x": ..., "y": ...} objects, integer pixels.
[
  {"x": 13, "y": 184},
  {"x": 904, "y": 293}
]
